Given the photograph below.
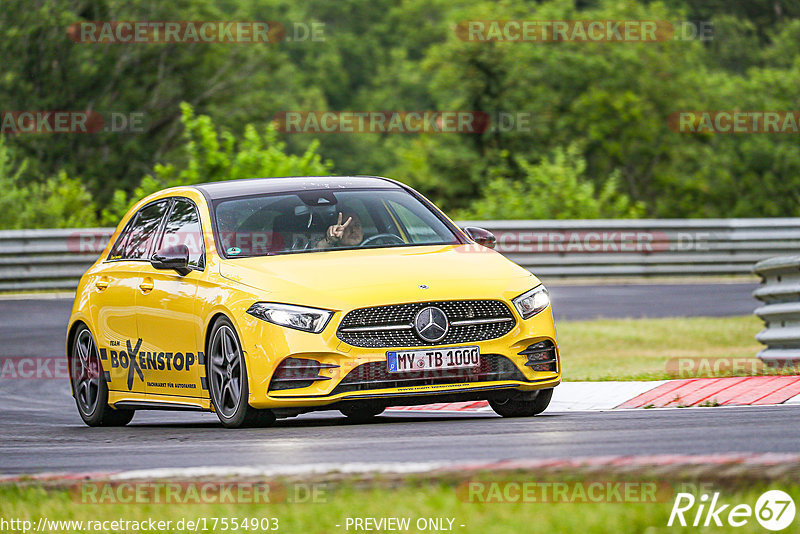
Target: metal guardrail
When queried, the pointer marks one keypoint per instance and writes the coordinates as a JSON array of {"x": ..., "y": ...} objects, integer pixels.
[
  {"x": 55, "y": 259},
  {"x": 643, "y": 247},
  {"x": 48, "y": 259},
  {"x": 780, "y": 293}
]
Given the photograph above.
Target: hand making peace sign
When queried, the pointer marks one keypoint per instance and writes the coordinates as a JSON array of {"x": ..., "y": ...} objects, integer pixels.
[{"x": 336, "y": 231}]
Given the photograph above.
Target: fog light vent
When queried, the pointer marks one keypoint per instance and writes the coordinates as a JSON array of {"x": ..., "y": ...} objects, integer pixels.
[
  {"x": 296, "y": 373},
  {"x": 541, "y": 356}
]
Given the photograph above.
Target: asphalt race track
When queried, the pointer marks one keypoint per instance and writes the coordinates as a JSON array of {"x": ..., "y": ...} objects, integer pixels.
[
  {"x": 40, "y": 429},
  {"x": 652, "y": 300}
]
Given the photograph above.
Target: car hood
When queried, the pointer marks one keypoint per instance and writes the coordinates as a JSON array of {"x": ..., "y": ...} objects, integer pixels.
[{"x": 352, "y": 278}]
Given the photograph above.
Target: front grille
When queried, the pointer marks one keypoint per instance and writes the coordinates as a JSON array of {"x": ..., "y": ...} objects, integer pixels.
[
  {"x": 374, "y": 375},
  {"x": 393, "y": 326}
]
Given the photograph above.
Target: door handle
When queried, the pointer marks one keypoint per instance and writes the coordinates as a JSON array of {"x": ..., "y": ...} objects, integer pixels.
[
  {"x": 101, "y": 283},
  {"x": 147, "y": 285}
]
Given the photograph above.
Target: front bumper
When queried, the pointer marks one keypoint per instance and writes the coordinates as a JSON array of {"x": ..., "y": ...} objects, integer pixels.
[{"x": 267, "y": 345}]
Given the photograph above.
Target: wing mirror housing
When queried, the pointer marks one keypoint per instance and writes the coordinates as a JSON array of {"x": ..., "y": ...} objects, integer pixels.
[
  {"x": 481, "y": 236},
  {"x": 174, "y": 257}
]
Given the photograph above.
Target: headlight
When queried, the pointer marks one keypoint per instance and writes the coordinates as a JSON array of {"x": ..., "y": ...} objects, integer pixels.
[
  {"x": 532, "y": 302},
  {"x": 299, "y": 317}
]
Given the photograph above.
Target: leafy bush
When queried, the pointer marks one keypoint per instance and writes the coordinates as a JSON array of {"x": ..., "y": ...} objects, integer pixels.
[
  {"x": 58, "y": 202},
  {"x": 555, "y": 188}
]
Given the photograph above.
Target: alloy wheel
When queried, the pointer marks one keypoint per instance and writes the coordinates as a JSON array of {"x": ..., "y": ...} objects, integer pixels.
[
  {"x": 226, "y": 371},
  {"x": 86, "y": 372}
]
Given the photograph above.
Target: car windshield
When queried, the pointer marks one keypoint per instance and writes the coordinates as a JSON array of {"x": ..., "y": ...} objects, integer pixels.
[{"x": 316, "y": 221}]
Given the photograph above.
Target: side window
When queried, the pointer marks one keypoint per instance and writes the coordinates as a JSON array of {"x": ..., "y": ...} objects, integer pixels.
[
  {"x": 367, "y": 224},
  {"x": 183, "y": 228},
  {"x": 418, "y": 230},
  {"x": 119, "y": 246},
  {"x": 137, "y": 245}
]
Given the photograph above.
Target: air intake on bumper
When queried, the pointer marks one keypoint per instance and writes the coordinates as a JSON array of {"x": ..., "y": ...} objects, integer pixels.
[
  {"x": 296, "y": 373},
  {"x": 541, "y": 356}
]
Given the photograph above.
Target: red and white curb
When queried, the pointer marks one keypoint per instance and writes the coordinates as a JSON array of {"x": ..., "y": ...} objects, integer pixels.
[
  {"x": 401, "y": 468},
  {"x": 583, "y": 396},
  {"x": 732, "y": 391}
]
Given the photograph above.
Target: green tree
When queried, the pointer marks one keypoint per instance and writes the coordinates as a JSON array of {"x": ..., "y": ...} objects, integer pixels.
[
  {"x": 209, "y": 154},
  {"x": 45, "y": 70},
  {"x": 612, "y": 100}
]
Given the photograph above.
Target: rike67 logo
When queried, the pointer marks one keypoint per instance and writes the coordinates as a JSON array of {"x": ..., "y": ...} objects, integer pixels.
[{"x": 774, "y": 510}]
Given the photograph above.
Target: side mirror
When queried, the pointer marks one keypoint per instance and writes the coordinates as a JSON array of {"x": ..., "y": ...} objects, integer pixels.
[
  {"x": 174, "y": 257},
  {"x": 481, "y": 236}
]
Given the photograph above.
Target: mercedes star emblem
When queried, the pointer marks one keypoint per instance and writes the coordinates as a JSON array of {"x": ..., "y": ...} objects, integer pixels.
[{"x": 431, "y": 324}]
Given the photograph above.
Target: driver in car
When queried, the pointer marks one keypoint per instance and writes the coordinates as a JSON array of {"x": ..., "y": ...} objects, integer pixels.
[{"x": 349, "y": 234}]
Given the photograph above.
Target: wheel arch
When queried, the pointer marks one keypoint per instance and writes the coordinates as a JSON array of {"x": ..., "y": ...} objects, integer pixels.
[
  {"x": 71, "y": 331},
  {"x": 210, "y": 326}
]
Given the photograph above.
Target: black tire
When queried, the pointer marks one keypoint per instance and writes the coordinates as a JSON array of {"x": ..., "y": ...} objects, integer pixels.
[
  {"x": 226, "y": 372},
  {"x": 522, "y": 405},
  {"x": 362, "y": 413},
  {"x": 89, "y": 387}
]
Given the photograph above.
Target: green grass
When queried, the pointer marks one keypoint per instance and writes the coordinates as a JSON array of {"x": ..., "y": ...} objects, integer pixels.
[
  {"x": 640, "y": 349},
  {"x": 436, "y": 500}
]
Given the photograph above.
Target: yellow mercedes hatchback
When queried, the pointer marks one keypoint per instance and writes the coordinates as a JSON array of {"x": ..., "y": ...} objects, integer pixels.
[{"x": 267, "y": 298}]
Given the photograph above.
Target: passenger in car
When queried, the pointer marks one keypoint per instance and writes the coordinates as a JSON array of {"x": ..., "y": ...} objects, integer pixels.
[{"x": 347, "y": 234}]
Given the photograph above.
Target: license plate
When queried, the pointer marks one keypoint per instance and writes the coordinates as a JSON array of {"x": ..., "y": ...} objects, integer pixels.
[{"x": 400, "y": 361}]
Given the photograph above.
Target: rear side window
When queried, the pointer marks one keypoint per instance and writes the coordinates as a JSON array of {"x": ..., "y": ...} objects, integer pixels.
[
  {"x": 136, "y": 240},
  {"x": 119, "y": 246},
  {"x": 183, "y": 228}
]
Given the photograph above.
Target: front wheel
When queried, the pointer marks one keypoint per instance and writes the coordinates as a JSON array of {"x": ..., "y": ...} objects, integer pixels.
[
  {"x": 89, "y": 386},
  {"x": 522, "y": 405},
  {"x": 227, "y": 380}
]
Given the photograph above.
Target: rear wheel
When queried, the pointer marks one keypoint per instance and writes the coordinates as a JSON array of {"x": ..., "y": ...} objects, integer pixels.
[
  {"x": 523, "y": 404},
  {"x": 89, "y": 385},
  {"x": 227, "y": 380},
  {"x": 362, "y": 413}
]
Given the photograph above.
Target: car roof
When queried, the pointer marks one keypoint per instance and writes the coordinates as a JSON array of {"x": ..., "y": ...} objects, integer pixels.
[{"x": 290, "y": 184}]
